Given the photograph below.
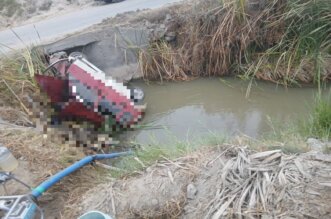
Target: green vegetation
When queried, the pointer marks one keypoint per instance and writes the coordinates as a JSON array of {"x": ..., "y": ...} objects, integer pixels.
[
  {"x": 319, "y": 123},
  {"x": 303, "y": 49},
  {"x": 287, "y": 42},
  {"x": 17, "y": 73},
  {"x": 290, "y": 138},
  {"x": 147, "y": 155}
]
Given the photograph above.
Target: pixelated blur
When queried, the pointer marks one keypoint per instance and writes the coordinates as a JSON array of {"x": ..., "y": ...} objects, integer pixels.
[{"x": 84, "y": 102}]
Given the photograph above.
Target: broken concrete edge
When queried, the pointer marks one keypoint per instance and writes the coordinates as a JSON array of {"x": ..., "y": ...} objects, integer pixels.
[{"x": 114, "y": 50}]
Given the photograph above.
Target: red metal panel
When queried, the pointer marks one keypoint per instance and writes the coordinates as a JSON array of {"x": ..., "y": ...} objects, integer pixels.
[
  {"x": 55, "y": 88},
  {"x": 104, "y": 91},
  {"x": 74, "y": 110}
]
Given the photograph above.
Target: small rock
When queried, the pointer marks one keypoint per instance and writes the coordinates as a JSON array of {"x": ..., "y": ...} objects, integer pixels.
[
  {"x": 155, "y": 202},
  {"x": 157, "y": 34},
  {"x": 315, "y": 144},
  {"x": 169, "y": 37},
  {"x": 191, "y": 191},
  {"x": 45, "y": 5},
  {"x": 168, "y": 18},
  {"x": 162, "y": 26},
  {"x": 172, "y": 26},
  {"x": 328, "y": 145},
  {"x": 147, "y": 23}
]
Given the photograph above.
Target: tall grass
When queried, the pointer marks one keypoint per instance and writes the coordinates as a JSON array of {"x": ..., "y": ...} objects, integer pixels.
[
  {"x": 147, "y": 154},
  {"x": 17, "y": 76},
  {"x": 284, "y": 41},
  {"x": 319, "y": 122},
  {"x": 302, "y": 52}
]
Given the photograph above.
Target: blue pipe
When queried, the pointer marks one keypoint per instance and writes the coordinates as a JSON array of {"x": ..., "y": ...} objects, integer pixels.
[{"x": 44, "y": 186}]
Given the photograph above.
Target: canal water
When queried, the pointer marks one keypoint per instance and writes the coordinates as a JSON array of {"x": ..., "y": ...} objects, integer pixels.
[{"x": 182, "y": 110}]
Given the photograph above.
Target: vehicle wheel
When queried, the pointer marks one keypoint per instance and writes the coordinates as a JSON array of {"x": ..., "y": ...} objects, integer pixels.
[{"x": 108, "y": 1}]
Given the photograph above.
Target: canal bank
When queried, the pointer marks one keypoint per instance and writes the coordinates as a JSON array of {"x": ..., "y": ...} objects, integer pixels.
[{"x": 175, "y": 179}]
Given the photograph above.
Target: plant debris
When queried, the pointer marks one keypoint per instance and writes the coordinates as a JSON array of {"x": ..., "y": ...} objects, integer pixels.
[
  {"x": 268, "y": 40},
  {"x": 234, "y": 183}
]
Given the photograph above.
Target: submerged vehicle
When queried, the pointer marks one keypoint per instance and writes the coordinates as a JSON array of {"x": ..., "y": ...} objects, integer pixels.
[{"x": 79, "y": 90}]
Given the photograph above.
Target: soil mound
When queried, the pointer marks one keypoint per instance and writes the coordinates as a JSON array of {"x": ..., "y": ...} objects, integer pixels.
[{"x": 235, "y": 183}]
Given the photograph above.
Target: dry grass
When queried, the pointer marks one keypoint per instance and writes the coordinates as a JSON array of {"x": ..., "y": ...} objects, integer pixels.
[
  {"x": 267, "y": 183},
  {"x": 230, "y": 38},
  {"x": 46, "y": 158},
  {"x": 232, "y": 183},
  {"x": 131, "y": 196},
  {"x": 17, "y": 77}
]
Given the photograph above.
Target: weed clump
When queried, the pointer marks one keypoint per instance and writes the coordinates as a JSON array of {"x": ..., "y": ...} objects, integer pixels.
[
  {"x": 283, "y": 41},
  {"x": 17, "y": 77},
  {"x": 320, "y": 121}
]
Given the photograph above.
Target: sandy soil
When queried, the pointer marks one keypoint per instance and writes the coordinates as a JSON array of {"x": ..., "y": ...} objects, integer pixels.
[{"x": 28, "y": 11}]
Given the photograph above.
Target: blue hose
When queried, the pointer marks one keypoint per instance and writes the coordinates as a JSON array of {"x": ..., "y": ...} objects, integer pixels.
[{"x": 39, "y": 190}]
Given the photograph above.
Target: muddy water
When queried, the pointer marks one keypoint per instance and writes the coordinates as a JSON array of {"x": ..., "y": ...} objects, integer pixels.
[{"x": 210, "y": 106}]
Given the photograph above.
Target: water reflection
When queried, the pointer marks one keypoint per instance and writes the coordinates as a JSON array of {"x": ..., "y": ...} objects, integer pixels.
[{"x": 199, "y": 107}]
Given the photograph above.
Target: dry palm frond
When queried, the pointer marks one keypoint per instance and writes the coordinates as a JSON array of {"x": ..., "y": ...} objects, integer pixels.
[{"x": 256, "y": 184}]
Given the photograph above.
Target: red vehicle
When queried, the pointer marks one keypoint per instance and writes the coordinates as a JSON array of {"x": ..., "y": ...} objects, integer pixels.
[{"x": 79, "y": 90}]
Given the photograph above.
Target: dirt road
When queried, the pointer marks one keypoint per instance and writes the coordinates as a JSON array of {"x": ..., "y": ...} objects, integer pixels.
[{"x": 46, "y": 30}]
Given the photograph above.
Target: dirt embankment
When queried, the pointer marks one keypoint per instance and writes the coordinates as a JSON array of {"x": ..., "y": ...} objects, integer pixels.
[
  {"x": 232, "y": 183},
  {"x": 39, "y": 159},
  {"x": 17, "y": 12}
]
